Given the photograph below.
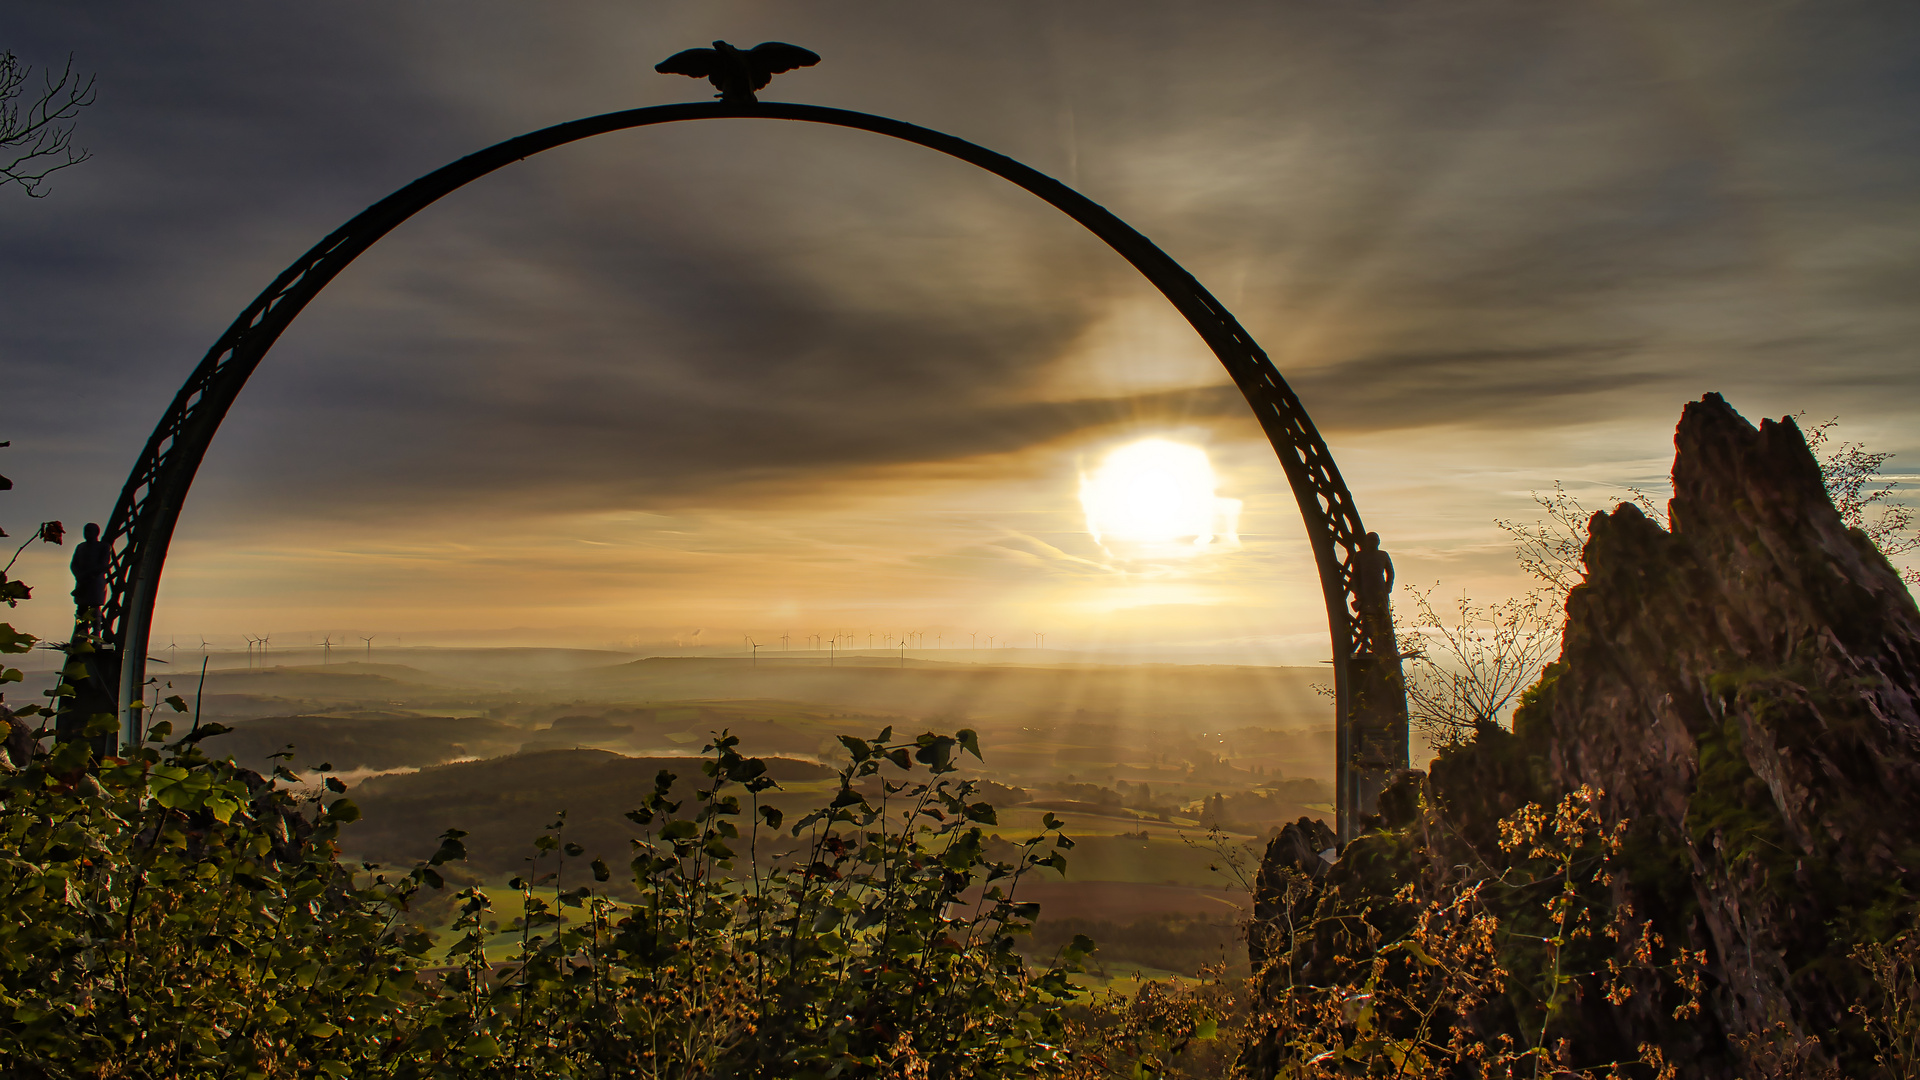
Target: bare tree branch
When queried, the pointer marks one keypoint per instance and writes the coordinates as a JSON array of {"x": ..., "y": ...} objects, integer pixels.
[
  {"x": 1552, "y": 548},
  {"x": 1857, "y": 490},
  {"x": 36, "y": 132},
  {"x": 1465, "y": 671}
]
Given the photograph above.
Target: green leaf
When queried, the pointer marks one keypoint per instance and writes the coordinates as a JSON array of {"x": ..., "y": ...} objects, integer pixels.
[
  {"x": 450, "y": 848},
  {"x": 969, "y": 741},
  {"x": 208, "y": 731},
  {"x": 336, "y": 785},
  {"x": 176, "y": 797},
  {"x": 935, "y": 751},
  {"x": 179, "y": 703},
  {"x": 745, "y": 769},
  {"x": 772, "y": 815},
  {"x": 600, "y": 871},
  {"x": 13, "y": 641},
  {"x": 681, "y": 829},
  {"x": 856, "y": 747}
]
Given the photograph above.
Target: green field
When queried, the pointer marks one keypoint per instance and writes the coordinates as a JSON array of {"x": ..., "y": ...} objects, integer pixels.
[{"x": 1138, "y": 762}]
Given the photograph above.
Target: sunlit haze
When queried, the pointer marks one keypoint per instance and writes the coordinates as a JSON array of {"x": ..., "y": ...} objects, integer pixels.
[
  {"x": 1158, "y": 497},
  {"x": 671, "y": 388}
]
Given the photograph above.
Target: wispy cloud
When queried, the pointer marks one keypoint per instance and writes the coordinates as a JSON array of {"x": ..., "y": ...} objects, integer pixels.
[{"x": 1528, "y": 227}]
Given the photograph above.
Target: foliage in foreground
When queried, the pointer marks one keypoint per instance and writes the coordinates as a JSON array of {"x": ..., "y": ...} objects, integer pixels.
[
  {"x": 1412, "y": 961},
  {"x": 171, "y": 915}
]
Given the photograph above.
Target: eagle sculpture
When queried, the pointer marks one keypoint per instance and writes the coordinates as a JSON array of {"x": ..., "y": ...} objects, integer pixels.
[{"x": 737, "y": 73}]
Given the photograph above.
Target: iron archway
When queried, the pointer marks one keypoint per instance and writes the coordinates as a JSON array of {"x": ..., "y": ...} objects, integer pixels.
[{"x": 1370, "y": 702}]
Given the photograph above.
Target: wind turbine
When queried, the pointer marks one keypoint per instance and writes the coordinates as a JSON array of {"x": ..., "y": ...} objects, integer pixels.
[
  {"x": 326, "y": 650},
  {"x": 369, "y": 641},
  {"x": 756, "y": 651},
  {"x": 251, "y": 642}
]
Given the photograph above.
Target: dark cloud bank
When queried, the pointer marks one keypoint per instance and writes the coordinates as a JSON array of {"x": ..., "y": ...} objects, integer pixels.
[{"x": 1498, "y": 214}]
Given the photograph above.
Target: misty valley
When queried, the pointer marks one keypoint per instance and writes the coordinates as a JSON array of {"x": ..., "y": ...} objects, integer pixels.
[{"x": 1140, "y": 762}]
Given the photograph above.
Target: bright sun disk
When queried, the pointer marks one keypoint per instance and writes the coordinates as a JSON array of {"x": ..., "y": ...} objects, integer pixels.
[{"x": 1155, "y": 492}]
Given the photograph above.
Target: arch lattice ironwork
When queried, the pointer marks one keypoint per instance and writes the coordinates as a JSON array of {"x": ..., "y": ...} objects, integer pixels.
[{"x": 1370, "y": 703}]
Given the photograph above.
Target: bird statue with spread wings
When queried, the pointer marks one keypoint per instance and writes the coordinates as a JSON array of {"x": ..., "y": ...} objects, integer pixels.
[{"x": 737, "y": 73}]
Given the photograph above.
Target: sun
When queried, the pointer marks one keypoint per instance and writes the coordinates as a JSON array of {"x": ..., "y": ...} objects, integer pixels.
[{"x": 1157, "y": 496}]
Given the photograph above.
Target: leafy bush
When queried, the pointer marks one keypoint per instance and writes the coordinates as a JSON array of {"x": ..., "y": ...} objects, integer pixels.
[
  {"x": 1406, "y": 962},
  {"x": 172, "y": 915}
]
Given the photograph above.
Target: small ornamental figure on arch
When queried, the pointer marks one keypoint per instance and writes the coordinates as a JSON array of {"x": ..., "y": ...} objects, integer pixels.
[
  {"x": 90, "y": 559},
  {"x": 1373, "y": 592},
  {"x": 736, "y": 72}
]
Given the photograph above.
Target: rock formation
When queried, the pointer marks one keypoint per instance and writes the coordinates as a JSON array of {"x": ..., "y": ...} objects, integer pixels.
[
  {"x": 1744, "y": 687},
  {"x": 1749, "y": 681}
]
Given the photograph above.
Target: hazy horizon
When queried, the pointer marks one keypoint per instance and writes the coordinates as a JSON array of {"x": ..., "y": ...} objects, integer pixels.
[{"x": 753, "y": 377}]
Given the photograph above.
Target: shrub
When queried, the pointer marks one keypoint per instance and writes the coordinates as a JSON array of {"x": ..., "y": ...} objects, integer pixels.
[{"x": 172, "y": 915}]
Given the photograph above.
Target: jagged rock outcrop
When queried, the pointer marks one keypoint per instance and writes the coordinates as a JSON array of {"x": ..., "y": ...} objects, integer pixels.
[
  {"x": 1745, "y": 687},
  {"x": 1302, "y": 851},
  {"x": 1749, "y": 681}
]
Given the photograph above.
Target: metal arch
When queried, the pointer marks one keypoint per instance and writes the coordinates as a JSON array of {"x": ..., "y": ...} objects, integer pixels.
[{"x": 143, "y": 520}]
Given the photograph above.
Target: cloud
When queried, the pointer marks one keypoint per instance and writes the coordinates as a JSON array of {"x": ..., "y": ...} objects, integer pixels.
[
  {"x": 1501, "y": 219},
  {"x": 1501, "y": 388}
]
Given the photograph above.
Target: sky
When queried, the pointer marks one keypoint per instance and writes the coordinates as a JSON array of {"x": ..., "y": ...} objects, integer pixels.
[{"x": 684, "y": 384}]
